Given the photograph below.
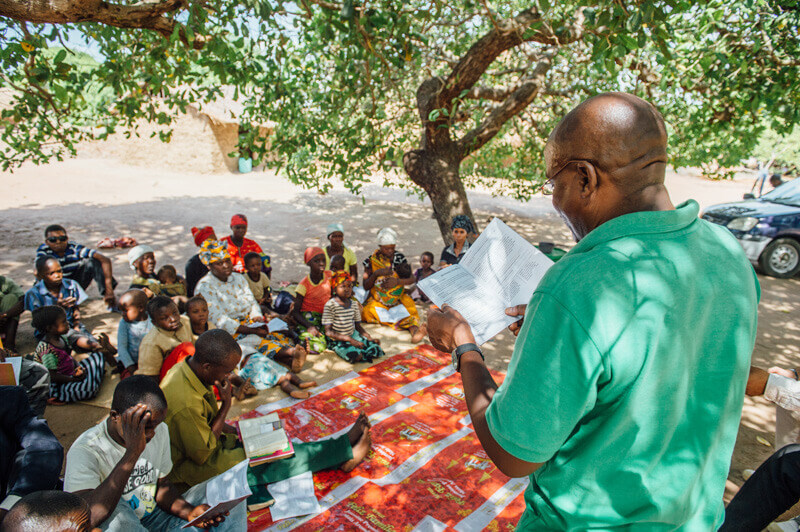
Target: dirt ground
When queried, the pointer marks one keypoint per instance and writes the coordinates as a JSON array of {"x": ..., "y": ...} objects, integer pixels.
[{"x": 99, "y": 197}]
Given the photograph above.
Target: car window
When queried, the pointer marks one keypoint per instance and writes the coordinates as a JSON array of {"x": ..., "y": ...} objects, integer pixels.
[{"x": 787, "y": 194}]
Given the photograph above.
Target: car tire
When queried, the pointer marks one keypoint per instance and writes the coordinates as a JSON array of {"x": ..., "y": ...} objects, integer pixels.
[{"x": 781, "y": 258}]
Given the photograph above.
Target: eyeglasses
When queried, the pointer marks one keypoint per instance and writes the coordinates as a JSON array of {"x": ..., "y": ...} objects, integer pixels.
[
  {"x": 549, "y": 185},
  {"x": 54, "y": 239}
]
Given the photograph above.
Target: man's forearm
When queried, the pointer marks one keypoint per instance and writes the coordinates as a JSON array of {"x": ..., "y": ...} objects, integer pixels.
[
  {"x": 104, "y": 498},
  {"x": 105, "y": 265},
  {"x": 170, "y": 500},
  {"x": 218, "y": 423}
]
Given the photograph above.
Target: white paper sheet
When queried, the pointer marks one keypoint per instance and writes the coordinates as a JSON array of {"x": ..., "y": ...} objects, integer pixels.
[
  {"x": 360, "y": 294},
  {"x": 500, "y": 270},
  {"x": 293, "y": 497},
  {"x": 392, "y": 315},
  {"x": 16, "y": 365},
  {"x": 277, "y": 324},
  {"x": 225, "y": 491}
]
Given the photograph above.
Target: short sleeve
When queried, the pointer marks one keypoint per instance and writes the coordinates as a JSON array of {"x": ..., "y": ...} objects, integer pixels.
[
  {"x": 550, "y": 386},
  {"x": 151, "y": 358},
  {"x": 82, "y": 252},
  {"x": 301, "y": 289},
  {"x": 82, "y": 471},
  {"x": 164, "y": 455},
  {"x": 32, "y": 300},
  {"x": 328, "y": 313}
]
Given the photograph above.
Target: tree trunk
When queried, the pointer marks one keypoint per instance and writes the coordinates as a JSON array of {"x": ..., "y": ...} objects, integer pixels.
[{"x": 438, "y": 175}]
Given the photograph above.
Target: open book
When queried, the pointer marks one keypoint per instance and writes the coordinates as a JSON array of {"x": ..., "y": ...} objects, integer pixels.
[
  {"x": 264, "y": 439},
  {"x": 500, "y": 270}
]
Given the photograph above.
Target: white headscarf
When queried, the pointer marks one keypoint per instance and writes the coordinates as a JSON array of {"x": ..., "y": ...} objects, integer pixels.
[
  {"x": 332, "y": 228},
  {"x": 387, "y": 237},
  {"x": 137, "y": 253}
]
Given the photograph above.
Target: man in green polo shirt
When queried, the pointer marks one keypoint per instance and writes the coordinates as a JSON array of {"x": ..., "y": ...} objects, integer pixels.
[{"x": 625, "y": 388}]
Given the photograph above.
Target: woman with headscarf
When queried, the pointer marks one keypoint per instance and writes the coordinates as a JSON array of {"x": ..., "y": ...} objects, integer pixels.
[
  {"x": 142, "y": 260},
  {"x": 232, "y": 307},
  {"x": 337, "y": 247},
  {"x": 461, "y": 227},
  {"x": 239, "y": 246},
  {"x": 310, "y": 297},
  {"x": 195, "y": 269},
  {"x": 387, "y": 276}
]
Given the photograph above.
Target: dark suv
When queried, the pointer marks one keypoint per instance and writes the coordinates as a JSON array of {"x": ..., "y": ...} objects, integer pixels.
[{"x": 768, "y": 228}]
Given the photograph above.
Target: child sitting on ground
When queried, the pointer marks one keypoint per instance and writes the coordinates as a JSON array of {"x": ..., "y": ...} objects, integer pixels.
[
  {"x": 168, "y": 342},
  {"x": 69, "y": 381},
  {"x": 425, "y": 270},
  {"x": 133, "y": 327},
  {"x": 342, "y": 320},
  {"x": 197, "y": 311},
  {"x": 171, "y": 285},
  {"x": 53, "y": 289},
  {"x": 258, "y": 281}
]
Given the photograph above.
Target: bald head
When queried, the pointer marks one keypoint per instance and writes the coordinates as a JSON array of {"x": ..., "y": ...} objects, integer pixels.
[{"x": 620, "y": 133}]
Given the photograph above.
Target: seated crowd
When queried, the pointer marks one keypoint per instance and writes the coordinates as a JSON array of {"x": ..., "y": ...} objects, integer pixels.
[{"x": 186, "y": 347}]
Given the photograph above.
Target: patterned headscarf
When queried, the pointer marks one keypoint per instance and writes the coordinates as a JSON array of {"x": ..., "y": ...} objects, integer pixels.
[
  {"x": 212, "y": 251},
  {"x": 136, "y": 253},
  {"x": 311, "y": 253},
  {"x": 339, "y": 277},
  {"x": 332, "y": 228},
  {"x": 462, "y": 221}
]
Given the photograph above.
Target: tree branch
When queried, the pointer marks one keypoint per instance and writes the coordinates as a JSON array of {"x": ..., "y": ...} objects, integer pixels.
[
  {"x": 516, "y": 102},
  {"x": 145, "y": 14}
]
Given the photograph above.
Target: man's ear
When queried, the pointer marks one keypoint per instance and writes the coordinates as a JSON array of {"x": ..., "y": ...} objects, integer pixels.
[
  {"x": 587, "y": 174},
  {"x": 113, "y": 415}
]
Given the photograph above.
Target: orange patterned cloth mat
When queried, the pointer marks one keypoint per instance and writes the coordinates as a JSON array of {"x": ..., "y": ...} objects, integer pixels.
[{"x": 426, "y": 469}]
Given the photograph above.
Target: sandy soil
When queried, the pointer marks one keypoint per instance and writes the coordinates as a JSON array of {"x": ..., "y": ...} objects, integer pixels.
[{"x": 95, "y": 198}]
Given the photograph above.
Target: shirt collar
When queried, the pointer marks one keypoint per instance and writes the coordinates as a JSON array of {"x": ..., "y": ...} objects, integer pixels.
[
  {"x": 42, "y": 289},
  {"x": 640, "y": 223},
  {"x": 192, "y": 379}
]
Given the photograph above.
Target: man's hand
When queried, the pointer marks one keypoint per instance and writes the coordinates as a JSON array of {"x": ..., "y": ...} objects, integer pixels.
[
  {"x": 225, "y": 389},
  {"x": 209, "y": 522},
  {"x": 519, "y": 310},
  {"x": 447, "y": 329},
  {"x": 134, "y": 421},
  {"x": 109, "y": 298},
  {"x": 356, "y": 343}
]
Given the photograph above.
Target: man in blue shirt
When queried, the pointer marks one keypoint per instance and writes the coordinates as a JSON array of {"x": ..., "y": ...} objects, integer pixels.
[{"x": 79, "y": 263}]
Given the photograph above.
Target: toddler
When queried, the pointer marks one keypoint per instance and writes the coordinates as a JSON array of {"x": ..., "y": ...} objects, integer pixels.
[
  {"x": 133, "y": 327},
  {"x": 257, "y": 280},
  {"x": 70, "y": 381},
  {"x": 171, "y": 285},
  {"x": 425, "y": 270}
]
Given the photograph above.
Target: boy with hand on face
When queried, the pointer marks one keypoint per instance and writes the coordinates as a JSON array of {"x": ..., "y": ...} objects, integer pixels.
[
  {"x": 120, "y": 468},
  {"x": 79, "y": 263}
]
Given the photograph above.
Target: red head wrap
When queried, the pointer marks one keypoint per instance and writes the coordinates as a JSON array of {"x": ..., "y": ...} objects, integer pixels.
[
  {"x": 311, "y": 253},
  {"x": 238, "y": 219},
  {"x": 201, "y": 234}
]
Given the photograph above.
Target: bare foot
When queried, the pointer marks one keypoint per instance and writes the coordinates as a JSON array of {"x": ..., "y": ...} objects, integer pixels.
[
  {"x": 360, "y": 451},
  {"x": 298, "y": 359},
  {"x": 299, "y": 394},
  {"x": 362, "y": 424},
  {"x": 307, "y": 384},
  {"x": 418, "y": 336}
]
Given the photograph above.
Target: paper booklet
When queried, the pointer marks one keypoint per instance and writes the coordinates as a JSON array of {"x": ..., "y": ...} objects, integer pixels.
[
  {"x": 500, "y": 270},
  {"x": 9, "y": 371},
  {"x": 224, "y": 492},
  {"x": 264, "y": 439},
  {"x": 392, "y": 315}
]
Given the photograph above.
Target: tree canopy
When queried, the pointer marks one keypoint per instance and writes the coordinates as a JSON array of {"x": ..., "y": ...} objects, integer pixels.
[{"x": 437, "y": 94}]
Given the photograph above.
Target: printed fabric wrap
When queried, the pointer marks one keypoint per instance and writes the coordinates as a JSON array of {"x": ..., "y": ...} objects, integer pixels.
[{"x": 212, "y": 251}]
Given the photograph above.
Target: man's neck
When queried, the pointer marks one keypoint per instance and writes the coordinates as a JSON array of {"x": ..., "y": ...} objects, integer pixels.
[
  {"x": 113, "y": 433},
  {"x": 193, "y": 366}
]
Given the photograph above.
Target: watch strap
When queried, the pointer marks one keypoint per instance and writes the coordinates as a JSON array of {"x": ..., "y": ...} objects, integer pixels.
[{"x": 464, "y": 348}]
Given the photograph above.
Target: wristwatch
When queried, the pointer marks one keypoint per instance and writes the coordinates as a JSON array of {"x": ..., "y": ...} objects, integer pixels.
[{"x": 460, "y": 350}]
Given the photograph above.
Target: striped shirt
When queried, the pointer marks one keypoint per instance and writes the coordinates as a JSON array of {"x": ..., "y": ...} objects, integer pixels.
[
  {"x": 342, "y": 319},
  {"x": 73, "y": 257}
]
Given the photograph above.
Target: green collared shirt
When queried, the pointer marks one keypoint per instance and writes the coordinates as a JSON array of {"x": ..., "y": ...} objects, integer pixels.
[
  {"x": 627, "y": 378},
  {"x": 197, "y": 454}
]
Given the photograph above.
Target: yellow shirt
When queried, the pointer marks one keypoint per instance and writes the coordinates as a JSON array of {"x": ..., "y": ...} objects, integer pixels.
[
  {"x": 197, "y": 454},
  {"x": 259, "y": 287},
  {"x": 157, "y": 344}
]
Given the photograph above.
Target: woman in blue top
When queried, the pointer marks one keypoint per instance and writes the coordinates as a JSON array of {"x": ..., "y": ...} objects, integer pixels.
[{"x": 461, "y": 228}]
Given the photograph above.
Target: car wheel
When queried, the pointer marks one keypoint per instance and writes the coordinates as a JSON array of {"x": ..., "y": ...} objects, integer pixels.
[{"x": 781, "y": 258}]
